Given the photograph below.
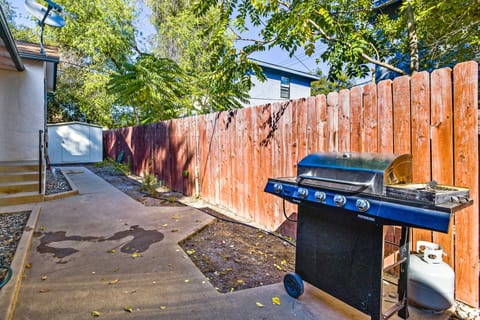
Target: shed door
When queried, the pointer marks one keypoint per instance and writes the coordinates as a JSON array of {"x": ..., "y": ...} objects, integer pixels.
[{"x": 75, "y": 143}]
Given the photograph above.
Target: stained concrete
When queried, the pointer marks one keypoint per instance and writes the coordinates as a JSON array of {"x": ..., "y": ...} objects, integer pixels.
[{"x": 90, "y": 266}]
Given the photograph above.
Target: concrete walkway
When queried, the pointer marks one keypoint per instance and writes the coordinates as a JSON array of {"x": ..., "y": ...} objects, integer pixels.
[{"x": 74, "y": 270}]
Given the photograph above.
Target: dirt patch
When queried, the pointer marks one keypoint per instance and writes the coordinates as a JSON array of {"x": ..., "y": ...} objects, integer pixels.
[{"x": 232, "y": 255}]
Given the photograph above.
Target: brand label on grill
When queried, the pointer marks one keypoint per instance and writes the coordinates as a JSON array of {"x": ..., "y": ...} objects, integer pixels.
[{"x": 361, "y": 216}]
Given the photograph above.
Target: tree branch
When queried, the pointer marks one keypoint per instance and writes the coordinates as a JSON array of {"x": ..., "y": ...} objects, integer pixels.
[{"x": 363, "y": 55}]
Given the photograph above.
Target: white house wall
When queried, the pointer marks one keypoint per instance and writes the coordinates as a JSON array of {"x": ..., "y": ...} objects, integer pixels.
[{"x": 21, "y": 112}]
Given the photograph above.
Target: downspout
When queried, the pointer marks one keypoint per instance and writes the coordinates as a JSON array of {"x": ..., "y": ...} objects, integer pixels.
[{"x": 7, "y": 38}]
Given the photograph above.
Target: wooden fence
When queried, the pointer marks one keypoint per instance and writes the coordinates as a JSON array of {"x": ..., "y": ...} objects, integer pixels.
[{"x": 227, "y": 157}]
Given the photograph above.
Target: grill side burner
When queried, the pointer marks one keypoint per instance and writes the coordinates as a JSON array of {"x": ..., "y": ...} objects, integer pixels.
[{"x": 344, "y": 200}]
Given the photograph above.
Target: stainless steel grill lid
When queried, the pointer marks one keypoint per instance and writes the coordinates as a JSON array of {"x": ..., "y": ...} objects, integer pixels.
[{"x": 355, "y": 172}]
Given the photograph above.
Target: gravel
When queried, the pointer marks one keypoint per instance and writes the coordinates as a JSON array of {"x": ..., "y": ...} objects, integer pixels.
[
  {"x": 11, "y": 229},
  {"x": 56, "y": 182}
]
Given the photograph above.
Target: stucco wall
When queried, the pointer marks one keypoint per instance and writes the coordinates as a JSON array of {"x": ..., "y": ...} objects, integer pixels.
[
  {"x": 21, "y": 111},
  {"x": 269, "y": 91}
]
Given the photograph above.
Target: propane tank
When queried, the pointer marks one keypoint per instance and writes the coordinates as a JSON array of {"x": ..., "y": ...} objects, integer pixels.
[{"x": 431, "y": 282}]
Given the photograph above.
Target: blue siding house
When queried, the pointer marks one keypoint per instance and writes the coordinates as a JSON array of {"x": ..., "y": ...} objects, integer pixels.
[{"x": 281, "y": 84}]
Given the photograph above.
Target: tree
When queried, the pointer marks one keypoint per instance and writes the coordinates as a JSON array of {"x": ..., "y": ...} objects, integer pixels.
[
  {"x": 204, "y": 49},
  {"x": 356, "y": 34},
  {"x": 153, "y": 87}
]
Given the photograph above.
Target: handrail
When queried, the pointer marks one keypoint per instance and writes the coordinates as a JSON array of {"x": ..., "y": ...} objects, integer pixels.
[{"x": 40, "y": 133}]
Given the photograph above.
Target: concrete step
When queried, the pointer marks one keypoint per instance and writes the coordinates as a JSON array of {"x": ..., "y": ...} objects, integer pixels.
[
  {"x": 18, "y": 186},
  {"x": 20, "y": 198},
  {"x": 18, "y": 176},
  {"x": 18, "y": 166}
]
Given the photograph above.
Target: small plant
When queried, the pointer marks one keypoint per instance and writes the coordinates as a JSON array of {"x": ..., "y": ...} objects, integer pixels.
[
  {"x": 185, "y": 173},
  {"x": 149, "y": 183}
]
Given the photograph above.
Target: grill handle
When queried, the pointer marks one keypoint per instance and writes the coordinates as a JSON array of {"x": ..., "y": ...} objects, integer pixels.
[{"x": 346, "y": 182}]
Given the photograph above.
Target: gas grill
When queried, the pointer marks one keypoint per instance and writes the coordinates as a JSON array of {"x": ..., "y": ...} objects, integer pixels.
[{"x": 344, "y": 200}]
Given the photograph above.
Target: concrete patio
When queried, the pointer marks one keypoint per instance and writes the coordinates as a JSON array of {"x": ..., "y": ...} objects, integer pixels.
[{"x": 74, "y": 270}]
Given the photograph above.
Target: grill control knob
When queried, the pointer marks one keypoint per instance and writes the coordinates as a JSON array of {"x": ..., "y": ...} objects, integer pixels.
[
  {"x": 302, "y": 192},
  {"x": 363, "y": 205},
  {"x": 339, "y": 200},
  {"x": 320, "y": 196},
  {"x": 277, "y": 187}
]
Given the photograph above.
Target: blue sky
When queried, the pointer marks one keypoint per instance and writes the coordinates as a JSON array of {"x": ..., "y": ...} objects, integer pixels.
[{"x": 276, "y": 55}]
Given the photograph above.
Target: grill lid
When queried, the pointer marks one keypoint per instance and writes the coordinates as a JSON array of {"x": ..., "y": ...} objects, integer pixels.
[{"x": 354, "y": 171}]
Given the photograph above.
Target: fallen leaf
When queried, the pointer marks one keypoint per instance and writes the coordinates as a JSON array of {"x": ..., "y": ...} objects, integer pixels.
[
  {"x": 136, "y": 255},
  {"x": 28, "y": 266},
  {"x": 190, "y": 252},
  {"x": 165, "y": 225},
  {"x": 187, "y": 281},
  {"x": 112, "y": 251},
  {"x": 128, "y": 309},
  {"x": 228, "y": 269},
  {"x": 277, "y": 266},
  {"x": 95, "y": 313},
  {"x": 174, "y": 230},
  {"x": 240, "y": 281},
  {"x": 284, "y": 262},
  {"x": 44, "y": 278},
  {"x": 260, "y": 236},
  {"x": 114, "y": 281},
  {"x": 163, "y": 307},
  {"x": 276, "y": 301},
  {"x": 42, "y": 228},
  {"x": 259, "y": 304}
]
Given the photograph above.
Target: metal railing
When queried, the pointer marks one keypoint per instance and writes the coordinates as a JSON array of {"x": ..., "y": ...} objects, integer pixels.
[{"x": 40, "y": 155}]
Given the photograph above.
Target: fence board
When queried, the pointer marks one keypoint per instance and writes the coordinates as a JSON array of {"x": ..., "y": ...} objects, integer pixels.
[
  {"x": 465, "y": 93},
  {"x": 370, "y": 118},
  {"x": 321, "y": 111},
  {"x": 385, "y": 116},
  {"x": 344, "y": 121},
  {"x": 420, "y": 109},
  {"x": 356, "y": 118},
  {"x": 332, "y": 121},
  {"x": 401, "y": 115}
]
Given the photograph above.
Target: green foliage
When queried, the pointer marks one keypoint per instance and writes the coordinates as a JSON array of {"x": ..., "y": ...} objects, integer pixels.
[
  {"x": 154, "y": 87},
  {"x": 203, "y": 48},
  {"x": 149, "y": 183},
  {"x": 354, "y": 34},
  {"x": 324, "y": 86}
]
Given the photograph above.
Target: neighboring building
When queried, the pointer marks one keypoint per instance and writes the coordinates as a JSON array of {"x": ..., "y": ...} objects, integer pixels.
[
  {"x": 281, "y": 84},
  {"x": 25, "y": 77}
]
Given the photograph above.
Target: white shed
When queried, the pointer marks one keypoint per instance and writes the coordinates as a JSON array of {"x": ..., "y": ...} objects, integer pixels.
[{"x": 74, "y": 142}]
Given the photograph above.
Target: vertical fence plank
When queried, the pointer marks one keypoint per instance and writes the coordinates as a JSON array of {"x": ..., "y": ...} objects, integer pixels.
[
  {"x": 251, "y": 157},
  {"x": 370, "y": 118},
  {"x": 356, "y": 119},
  {"x": 302, "y": 126},
  {"x": 385, "y": 116},
  {"x": 420, "y": 109},
  {"x": 332, "y": 121},
  {"x": 465, "y": 123},
  {"x": 401, "y": 115},
  {"x": 312, "y": 122},
  {"x": 344, "y": 121},
  {"x": 321, "y": 110},
  {"x": 442, "y": 146}
]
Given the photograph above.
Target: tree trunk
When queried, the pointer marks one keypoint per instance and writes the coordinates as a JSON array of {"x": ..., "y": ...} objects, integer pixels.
[{"x": 412, "y": 38}]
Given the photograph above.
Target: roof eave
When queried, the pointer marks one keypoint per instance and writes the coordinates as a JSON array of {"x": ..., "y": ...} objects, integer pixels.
[{"x": 7, "y": 38}]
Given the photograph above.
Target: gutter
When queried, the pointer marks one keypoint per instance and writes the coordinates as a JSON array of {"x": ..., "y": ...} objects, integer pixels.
[{"x": 7, "y": 38}]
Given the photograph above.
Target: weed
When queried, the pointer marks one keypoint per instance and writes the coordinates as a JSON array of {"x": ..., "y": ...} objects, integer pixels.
[{"x": 149, "y": 183}]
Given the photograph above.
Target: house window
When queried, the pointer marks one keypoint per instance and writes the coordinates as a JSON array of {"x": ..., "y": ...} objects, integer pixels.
[{"x": 285, "y": 88}]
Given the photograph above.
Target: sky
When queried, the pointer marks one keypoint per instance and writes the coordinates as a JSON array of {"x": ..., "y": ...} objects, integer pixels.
[{"x": 299, "y": 61}]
